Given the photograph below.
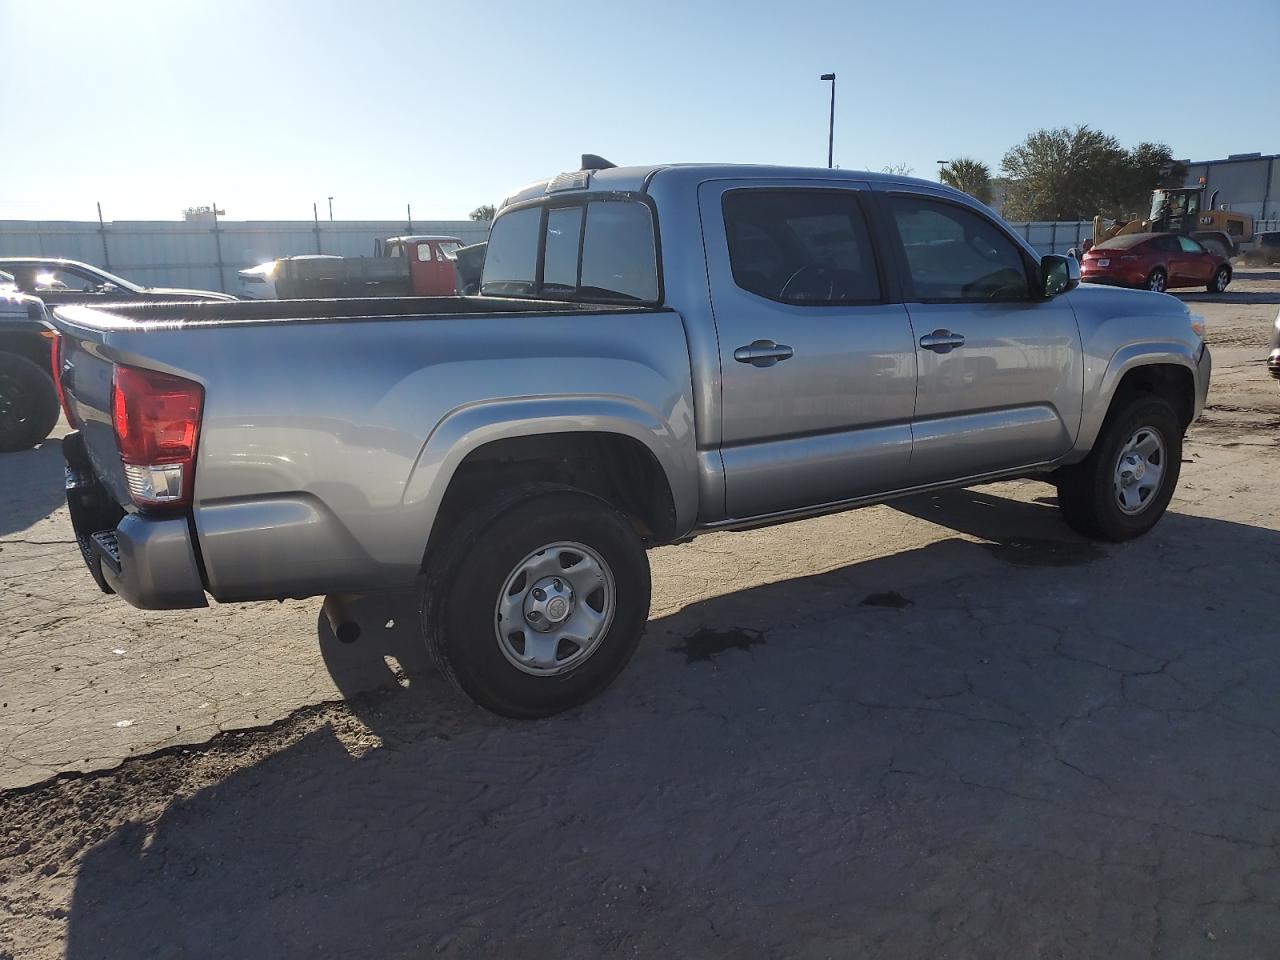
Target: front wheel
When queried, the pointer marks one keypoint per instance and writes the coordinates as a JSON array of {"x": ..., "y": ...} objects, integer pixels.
[
  {"x": 1122, "y": 489},
  {"x": 535, "y": 604},
  {"x": 1158, "y": 280},
  {"x": 1221, "y": 277},
  {"x": 28, "y": 403}
]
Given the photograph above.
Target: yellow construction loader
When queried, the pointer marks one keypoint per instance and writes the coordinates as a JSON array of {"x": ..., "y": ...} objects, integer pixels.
[{"x": 1181, "y": 210}]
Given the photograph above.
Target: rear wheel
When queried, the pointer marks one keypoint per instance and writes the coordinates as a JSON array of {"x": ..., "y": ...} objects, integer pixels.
[
  {"x": 1121, "y": 490},
  {"x": 1157, "y": 280},
  {"x": 534, "y": 604},
  {"x": 28, "y": 403},
  {"x": 1221, "y": 277}
]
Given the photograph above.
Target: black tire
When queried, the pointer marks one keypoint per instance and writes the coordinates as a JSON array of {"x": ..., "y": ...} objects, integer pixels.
[
  {"x": 1157, "y": 280},
  {"x": 28, "y": 403},
  {"x": 1218, "y": 283},
  {"x": 1087, "y": 491},
  {"x": 467, "y": 575}
]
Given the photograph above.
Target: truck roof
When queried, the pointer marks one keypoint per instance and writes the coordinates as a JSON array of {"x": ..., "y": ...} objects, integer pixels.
[
  {"x": 637, "y": 179},
  {"x": 416, "y": 237}
]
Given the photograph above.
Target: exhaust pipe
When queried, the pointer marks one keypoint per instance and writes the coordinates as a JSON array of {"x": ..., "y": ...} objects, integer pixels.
[{"x": 340, "y": 622}]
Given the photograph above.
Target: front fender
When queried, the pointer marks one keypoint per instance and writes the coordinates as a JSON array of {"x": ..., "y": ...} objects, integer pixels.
[
  {"x": 466, "y": 428},
  {"x": 1102, "y": 381}
]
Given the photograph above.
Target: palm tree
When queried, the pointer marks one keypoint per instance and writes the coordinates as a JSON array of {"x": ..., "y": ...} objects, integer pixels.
[{"x": 968, "y": 175}]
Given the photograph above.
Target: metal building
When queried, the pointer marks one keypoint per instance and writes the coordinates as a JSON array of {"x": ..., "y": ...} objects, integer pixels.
[{"x": 1246, "y": 182}]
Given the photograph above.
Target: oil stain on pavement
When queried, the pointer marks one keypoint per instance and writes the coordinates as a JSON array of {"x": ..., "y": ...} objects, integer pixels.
[{"x": 705, "y": 643}]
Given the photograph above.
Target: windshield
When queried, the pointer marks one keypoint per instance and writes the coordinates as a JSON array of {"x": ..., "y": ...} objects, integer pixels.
[{"x": 598, "y": 250}]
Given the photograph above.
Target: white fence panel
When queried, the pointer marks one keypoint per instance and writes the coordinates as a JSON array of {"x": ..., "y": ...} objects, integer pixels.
[{"x": 203, "y": 254}]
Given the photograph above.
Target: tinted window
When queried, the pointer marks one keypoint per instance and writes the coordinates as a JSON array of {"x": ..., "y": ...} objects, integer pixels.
[
  {"x": 956, "y": 254},
  {"x": 619, "y": 258},
  {"x": 55, "y": 280},
  {"x": 1166, "y": 244},
  {"x": 801, "y": 246},
  {"x": 511, "y": 263},
  {"x": 1190, "y": 246},
  {"x": 560, "y": 267}
]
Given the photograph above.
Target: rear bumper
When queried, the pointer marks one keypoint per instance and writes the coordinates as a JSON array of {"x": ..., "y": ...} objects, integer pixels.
[
  {"x": 1111, "y": 280},
  {"x": 148, "y": 561},
  {"x": 1204, "y": 372}
]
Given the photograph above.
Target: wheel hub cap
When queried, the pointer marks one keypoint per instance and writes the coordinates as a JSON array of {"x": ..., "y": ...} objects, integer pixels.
[
  {"x": 555, "y": 609},
  {"x": 550, "y": 602},
  {"x": 1140, "y": 470}
]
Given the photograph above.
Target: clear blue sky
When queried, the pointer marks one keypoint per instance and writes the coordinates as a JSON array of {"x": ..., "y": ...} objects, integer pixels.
[{"x": 264, "y": 107}]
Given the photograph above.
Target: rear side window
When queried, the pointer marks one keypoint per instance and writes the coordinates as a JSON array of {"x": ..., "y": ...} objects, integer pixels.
[
  {"x": 955, "y": 254},
  {"x": 511, "y": 262},
  {"x": 601, "y": 250},
  {"x": 805, "y": 247}
]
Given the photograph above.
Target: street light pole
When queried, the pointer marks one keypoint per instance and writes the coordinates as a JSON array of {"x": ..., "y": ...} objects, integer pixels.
[
  {"x": 331, "y": 209},
  {"x": 831, "y": 122},
  {"x": 942, "y": 165}
]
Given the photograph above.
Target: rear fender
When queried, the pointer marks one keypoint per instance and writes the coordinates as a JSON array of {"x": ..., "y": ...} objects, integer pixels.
[{"x": 469, "y": 427}]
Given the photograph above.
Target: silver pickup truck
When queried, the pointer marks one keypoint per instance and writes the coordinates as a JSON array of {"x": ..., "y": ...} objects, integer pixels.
[{"x": 655, "y": 352}]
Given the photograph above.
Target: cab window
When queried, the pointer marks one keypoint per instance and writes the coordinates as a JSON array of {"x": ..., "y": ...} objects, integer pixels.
[
  {"x": 803, "y": 247},
  {"x": 953, "y": 253}
]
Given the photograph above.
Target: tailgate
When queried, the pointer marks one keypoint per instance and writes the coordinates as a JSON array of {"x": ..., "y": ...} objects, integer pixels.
[{"x": 86, "y": 384}]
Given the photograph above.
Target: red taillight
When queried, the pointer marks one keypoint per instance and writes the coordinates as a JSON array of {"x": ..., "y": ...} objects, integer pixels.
[
  {"x": 157, "y": 421},
  {"x": 55, "y": 358}
]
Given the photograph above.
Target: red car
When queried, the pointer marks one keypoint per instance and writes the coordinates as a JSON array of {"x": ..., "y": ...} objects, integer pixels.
[{"x": 1155, "y": 261}]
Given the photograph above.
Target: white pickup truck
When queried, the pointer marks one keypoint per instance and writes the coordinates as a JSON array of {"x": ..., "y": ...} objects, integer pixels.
[{"x": 655, "y": 352}]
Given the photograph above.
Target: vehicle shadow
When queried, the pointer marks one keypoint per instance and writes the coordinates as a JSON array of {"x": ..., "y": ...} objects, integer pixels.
[
  {"x": 849, "y": 763},
  {"x": 31, "y": 481},
  {"x": 1229, "y": 297}
]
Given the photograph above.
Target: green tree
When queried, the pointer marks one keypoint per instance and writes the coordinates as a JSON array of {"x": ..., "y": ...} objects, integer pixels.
[
  {"x": 1077, "y": 173},
  {"x": 969, "y": 176},
  {"x": 898, "y": 169},
  {"x": 1064, "y": 174},
  {"x": 485, "y": 211}
]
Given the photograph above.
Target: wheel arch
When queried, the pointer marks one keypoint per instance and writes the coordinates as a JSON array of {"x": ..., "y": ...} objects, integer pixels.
[
  {"x": 1165, "y": 371},
  {"x": 613, "y": 448}
]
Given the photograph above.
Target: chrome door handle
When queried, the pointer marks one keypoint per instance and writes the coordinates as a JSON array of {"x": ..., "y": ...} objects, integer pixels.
[
  {"x": 763, "y": 353},
  {"x": 941, "y": 341}
]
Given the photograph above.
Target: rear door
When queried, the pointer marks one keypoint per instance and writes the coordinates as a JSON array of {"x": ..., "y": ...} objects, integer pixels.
[
  {"x": 1001, "y": 373},
  {"x": 816, "y": 357}
]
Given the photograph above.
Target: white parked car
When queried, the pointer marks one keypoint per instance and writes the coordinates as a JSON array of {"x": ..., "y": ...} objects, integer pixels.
[{"x": 259, "y": 283}]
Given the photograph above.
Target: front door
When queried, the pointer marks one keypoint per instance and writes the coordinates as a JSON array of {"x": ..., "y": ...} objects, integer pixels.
[
  {"x": 818, "y": 367},
  {"x": 1001, "y": 372},
  {"x": 1195, "y": 262}
]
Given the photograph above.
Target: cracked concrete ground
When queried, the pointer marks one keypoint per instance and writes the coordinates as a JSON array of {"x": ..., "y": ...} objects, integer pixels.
[{"x": 946, "y": 728}]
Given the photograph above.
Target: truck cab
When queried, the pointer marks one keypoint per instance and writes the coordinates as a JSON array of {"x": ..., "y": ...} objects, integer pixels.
[{"x": 431, "y": 262}]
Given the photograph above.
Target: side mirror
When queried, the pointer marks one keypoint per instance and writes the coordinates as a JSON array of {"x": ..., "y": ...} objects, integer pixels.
[{"x": 1059, "y": 274}]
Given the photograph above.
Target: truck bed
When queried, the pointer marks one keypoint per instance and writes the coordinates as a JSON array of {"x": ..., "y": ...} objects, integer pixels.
[
  {"x": 147, "y": 315},
  {"x": 330, "y": 428}
]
